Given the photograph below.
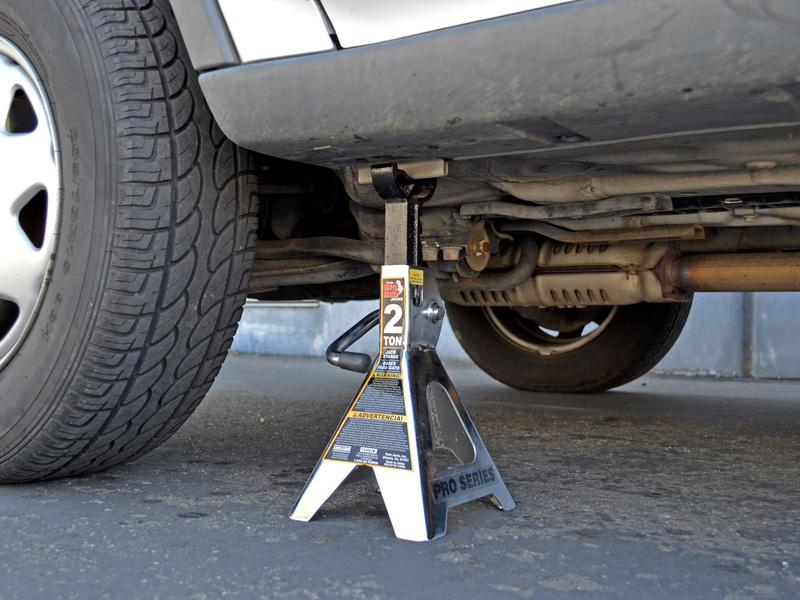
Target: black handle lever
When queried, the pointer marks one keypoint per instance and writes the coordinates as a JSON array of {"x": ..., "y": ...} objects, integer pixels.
[{"x": 353, "y": 361}]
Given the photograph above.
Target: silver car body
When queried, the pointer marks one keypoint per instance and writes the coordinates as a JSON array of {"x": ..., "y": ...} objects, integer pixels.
[{"x": 264, "y": 29}]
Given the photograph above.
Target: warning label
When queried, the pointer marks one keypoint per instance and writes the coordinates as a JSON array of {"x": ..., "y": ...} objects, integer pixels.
[
  {"x": 379, "y": 417},
  {"x": 375, "y": 430},
  {"x": 382, "y": 396},
  {"x": 372, "y": 441},
  {"x": 389, "y": 364}
]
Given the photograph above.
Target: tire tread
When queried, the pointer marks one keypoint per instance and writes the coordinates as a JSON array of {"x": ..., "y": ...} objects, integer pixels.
[{"x": 180, "y": 256}]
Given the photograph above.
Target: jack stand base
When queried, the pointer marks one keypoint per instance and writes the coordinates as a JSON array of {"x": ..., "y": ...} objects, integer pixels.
[{"x": 402, "y": 418}]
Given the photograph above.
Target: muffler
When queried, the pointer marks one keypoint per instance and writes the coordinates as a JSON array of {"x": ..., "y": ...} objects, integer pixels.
[{"x": 571, "y": 275}]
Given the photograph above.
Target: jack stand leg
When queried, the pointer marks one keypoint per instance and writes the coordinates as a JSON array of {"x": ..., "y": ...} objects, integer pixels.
[{"x": 407, "y": 410}]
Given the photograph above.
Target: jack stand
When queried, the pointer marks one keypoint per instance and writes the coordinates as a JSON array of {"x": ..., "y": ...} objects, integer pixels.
[{"x": 407, "y": 409}]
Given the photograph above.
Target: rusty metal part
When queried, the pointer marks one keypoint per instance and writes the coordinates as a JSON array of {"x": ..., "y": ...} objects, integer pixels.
[
  {"x": 268, "y": 275},
  {"x": 668, "y": 288},
  {"x": 337, "y": 247},
  {"x": 661, "y": 233},
  {"x": 691, "y": 239},
  {"x": 503, "y": 280},
  {"x": 567, "y": 290},
  {"x": 622, "y": 205},
  {"x": 479, "y": 249},
  {"x": 755, "y": 272},
  {"x": 570, "y": 275},
  {"x": 740, "y": 239},
  {"x": 566, "y": 274},
  {"x": 673, "y": 279},
  {"x": 747, "y": 217},
  {"x": 596, "y": 187},
  {"x": 438, "y": 223},
  {"x": 555, "y": 256}
]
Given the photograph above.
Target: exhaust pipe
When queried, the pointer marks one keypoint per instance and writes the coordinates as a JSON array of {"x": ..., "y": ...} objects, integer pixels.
[
  {"x": 757, "y": 272},
  {"x": 628, "y": 274}
]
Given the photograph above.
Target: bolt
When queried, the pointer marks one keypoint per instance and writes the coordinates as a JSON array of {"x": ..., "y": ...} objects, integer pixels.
[
  {"x": 480, "y": 248},
  {"x": 434, "y": 312}
]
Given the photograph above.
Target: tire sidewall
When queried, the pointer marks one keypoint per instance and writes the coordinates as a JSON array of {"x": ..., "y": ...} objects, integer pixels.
[
  {"x": 634, "y": 340},
  {"x": 43, "y": 366}
]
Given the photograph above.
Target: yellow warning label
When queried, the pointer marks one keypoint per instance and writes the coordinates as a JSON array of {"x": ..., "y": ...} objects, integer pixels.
[
  {"x": 370, "y": 416},
  {"x": 383, "y": 375},
  {"x": 416, "y": 276}
]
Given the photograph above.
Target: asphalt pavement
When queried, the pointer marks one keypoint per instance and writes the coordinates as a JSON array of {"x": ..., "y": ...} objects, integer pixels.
[{"x": 661, "y": 489}]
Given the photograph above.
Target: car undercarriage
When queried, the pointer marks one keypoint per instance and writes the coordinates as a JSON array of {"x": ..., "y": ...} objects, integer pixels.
[{"x": 613, "y": 234}]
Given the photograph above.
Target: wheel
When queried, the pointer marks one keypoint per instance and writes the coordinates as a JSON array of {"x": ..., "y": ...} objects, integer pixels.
[
  {"x": 568, "y": 350},
  {"x": 126, "y": 235}
]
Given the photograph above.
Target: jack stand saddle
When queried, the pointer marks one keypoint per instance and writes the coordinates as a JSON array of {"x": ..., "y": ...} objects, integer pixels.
[{"x": 407, "y": 410}]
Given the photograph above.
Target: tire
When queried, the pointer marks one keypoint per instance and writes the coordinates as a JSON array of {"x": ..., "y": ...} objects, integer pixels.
[
  {"x": 151, "y": 262},
  {"x": 626, "y": 343}
]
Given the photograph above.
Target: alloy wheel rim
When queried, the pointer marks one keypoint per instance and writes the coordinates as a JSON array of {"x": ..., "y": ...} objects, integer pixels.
[
  {"x": 30, "y": 196},
  {"x": 534, "y": 337}
]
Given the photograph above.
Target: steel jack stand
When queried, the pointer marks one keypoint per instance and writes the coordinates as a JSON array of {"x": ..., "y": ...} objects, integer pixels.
[{"x": 407, "y": 410}]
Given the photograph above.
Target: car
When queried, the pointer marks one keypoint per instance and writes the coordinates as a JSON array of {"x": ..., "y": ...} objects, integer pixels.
[{"x": 596, "y": 163}]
